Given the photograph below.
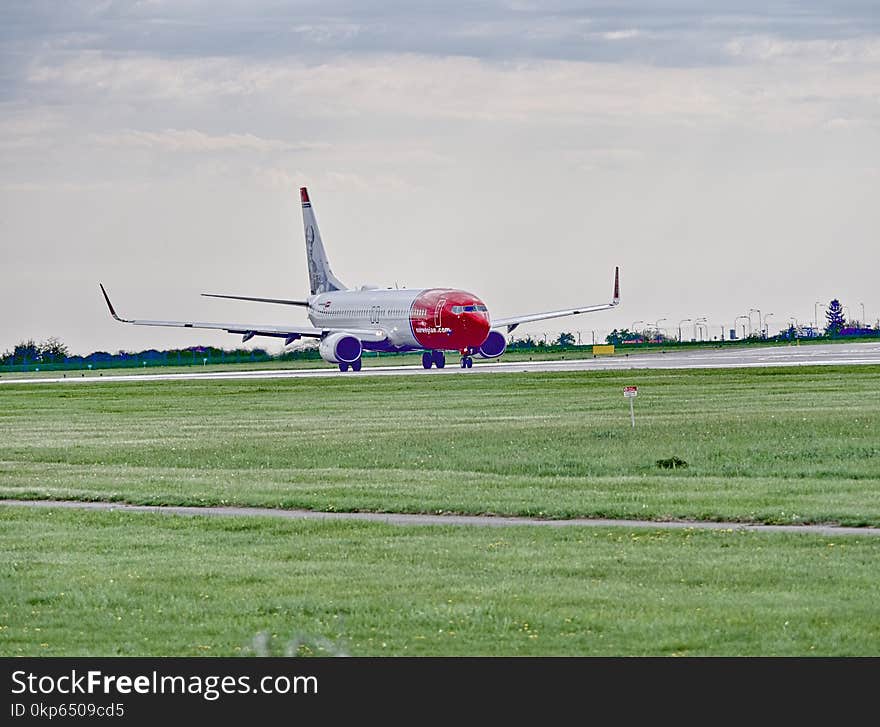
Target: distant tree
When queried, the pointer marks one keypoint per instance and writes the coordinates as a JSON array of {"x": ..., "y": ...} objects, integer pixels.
[
  {"x": 26, "y": 352},
  {"x": 565, "y": 339},
  {"x": 624, "y": 334},
  {"x": 527, "y": 342},
  {"x": 53, "y": 351},
  {"x": 834, "y": 316}
]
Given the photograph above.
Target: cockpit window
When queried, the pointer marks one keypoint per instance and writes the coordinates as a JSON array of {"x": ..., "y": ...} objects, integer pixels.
[{"x": 457, "y": 309}]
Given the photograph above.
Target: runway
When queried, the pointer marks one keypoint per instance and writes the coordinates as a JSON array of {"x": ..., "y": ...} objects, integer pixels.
[
  {"x": 441, "y": 520},
  {"x": 747, "y": 357}
]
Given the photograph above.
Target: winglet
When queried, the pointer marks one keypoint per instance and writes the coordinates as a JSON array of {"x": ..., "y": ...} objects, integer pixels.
[
  {"x": 110, "y": 305},
  {"x": 304, "y": 195},
  {"x": 616, "y": 299}
]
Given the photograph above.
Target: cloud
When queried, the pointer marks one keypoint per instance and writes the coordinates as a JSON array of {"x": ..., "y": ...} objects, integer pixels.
[
  {"x": 191, "y": 140},
  {"x": 762, "y": 48},
  {"x": 610, "y": 158},
  {"x": 393, "y": 88},
  {"x": 621, "y": 34},
  {"x": 685, "y": 33},
  {"x": 849, "y": 124},
  {"x": 55, "y": 186}
]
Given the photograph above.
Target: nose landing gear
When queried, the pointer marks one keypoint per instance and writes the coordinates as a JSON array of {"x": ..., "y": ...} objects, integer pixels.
[
  {"x": 466, "y": 362},
  {"x": 355, "y": 365}
]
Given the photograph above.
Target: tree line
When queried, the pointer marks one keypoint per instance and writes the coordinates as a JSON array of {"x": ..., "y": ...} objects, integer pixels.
[{"x": 53, "y": 352}]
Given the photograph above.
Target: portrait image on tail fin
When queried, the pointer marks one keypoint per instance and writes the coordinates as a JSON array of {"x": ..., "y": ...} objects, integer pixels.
[{"x": 321, "y": 278}]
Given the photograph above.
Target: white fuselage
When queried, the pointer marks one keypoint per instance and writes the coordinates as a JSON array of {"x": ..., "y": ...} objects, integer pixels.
[{"x": 386, "y": 308}]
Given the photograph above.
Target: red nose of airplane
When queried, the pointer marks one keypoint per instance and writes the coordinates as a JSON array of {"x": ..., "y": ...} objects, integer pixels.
[
  {"x": 450, "y": 320},
  {"x": 474, "y": 327}
]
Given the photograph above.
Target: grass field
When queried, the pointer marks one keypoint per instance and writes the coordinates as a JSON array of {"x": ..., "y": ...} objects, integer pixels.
[
  {"x": 767, "y": 445},
  {"x": 81, "y": 583},
  {"x": 771, "y": 445}
]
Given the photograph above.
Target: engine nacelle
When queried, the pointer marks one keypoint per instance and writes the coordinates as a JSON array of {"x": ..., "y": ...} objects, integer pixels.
[
  {"x": 340, "y": 348},
  {"x": 494, "y": 345}
]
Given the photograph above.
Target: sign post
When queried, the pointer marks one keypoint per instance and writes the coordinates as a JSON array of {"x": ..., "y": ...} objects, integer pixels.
[{"x": 631, "y": 392}]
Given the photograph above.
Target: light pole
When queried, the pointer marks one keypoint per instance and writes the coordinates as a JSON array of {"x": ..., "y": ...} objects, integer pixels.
[
  {"x": 683, "y": 320},
  {"x": 634, "y": 324},
  {"x": 737, "y": 321},
  {"x": 698, "y": 324},
  {"x": 657, "y": 325},
  {"x": 862, "y": 322},
  {"x": 816, "y": 316},
  {"x": 750, "y": 319},
  {"x": 764, "y": 329}
]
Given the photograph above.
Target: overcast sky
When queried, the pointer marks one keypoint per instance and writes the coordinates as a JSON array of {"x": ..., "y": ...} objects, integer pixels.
[{"x": 725, "y": 158}]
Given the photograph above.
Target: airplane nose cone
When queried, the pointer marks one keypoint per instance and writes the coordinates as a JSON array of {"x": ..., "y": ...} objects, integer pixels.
[{"x": 476, "y": 327}]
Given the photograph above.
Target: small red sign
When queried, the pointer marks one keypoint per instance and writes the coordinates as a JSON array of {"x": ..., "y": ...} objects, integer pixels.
[{"x": 630, "y": 391}]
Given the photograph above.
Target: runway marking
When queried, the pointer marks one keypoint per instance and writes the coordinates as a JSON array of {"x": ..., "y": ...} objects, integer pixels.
[{"x": 457, "y": 520}]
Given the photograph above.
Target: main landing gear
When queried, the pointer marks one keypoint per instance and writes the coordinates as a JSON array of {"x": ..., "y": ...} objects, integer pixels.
[
  {"x": 466, "y": 362},
  {"x": 355, "y": 365},
  {"x": 433, "y": 358}
]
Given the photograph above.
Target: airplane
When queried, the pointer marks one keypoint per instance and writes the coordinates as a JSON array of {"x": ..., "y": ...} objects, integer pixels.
[{"x": 349, "y": 321}]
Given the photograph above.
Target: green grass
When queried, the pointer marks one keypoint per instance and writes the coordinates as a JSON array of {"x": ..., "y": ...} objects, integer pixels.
[
  {"x": 773, "y": 445},
  {"x": 78, "y": 583}
]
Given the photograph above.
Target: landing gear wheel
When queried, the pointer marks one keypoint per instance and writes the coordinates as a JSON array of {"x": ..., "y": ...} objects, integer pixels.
[
  {"x": 439, "y": 359},
  {"x": 463, "y": 362},
  {"x": 343, "y": 367},
  {"x": 466, "y": 362},
  {"x": 427, "y": 360},
  {"x": 356, "y": 365}
]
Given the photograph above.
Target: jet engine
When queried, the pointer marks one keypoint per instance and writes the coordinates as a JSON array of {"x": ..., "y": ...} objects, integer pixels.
[
  {"x": 494, "y": 345},
  {"x": 340, "y": 348}
]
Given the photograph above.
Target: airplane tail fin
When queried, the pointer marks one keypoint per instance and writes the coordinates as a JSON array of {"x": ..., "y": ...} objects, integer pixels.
[{"x": 321, "y": 278}]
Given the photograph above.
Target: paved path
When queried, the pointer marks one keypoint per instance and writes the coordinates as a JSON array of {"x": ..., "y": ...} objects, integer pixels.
[
  {"x": 413, "y": 519},
  {"x": 749, "y": 357}
]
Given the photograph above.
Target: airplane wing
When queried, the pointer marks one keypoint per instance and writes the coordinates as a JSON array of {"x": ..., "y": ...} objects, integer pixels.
[
  {"x": 513, "y": 321},
  {"x": 280, "y": 301},
  {"x": 248, "y": 331}
]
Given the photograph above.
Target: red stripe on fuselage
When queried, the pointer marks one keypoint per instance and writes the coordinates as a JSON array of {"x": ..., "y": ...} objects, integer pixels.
[{"x": 437, "y": 326}]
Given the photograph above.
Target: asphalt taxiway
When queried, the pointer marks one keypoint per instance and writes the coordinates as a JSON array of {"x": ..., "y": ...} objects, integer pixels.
[
  {"x": 721, "y": 358},
  {"x": 391, "y": 518}
]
